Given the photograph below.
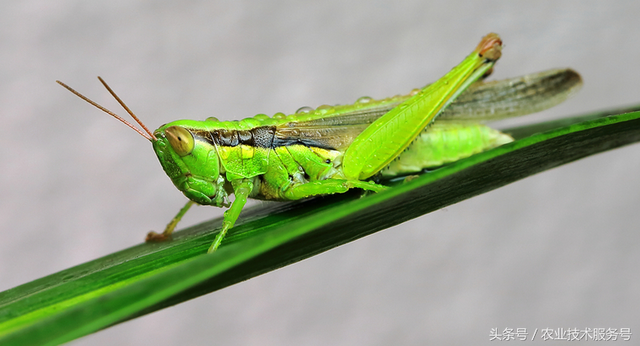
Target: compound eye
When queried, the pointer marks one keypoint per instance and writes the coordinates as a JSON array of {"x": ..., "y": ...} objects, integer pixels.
[{"x": 180, "y": 139}]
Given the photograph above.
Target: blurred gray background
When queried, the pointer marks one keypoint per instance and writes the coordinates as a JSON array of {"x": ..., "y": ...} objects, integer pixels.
[{"x": 556, "y": 250}]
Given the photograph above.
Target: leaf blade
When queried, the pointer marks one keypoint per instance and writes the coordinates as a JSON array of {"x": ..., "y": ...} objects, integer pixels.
[{"x": 149, "y": 277}]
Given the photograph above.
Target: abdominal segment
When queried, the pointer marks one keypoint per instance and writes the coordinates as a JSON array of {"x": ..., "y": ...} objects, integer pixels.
[{"x": 442, "y": 143}]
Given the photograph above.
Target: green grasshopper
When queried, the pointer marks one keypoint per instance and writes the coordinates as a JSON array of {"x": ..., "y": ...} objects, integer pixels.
[{"x": 333, "y": 149}]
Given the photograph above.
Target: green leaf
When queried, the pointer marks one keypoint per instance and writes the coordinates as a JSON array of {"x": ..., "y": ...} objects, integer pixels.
[{"x": 148, "y": 277}]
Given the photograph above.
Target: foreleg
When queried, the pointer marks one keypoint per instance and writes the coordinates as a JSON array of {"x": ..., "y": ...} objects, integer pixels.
[{"x": 241, "y": 189}]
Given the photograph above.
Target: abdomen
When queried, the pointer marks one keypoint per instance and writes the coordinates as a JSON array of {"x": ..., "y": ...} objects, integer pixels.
[{"x": 445, "y": 142}]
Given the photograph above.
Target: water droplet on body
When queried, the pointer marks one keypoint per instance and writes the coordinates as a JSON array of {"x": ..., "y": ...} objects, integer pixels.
[
  {"x": 364, "y": 99},
  {"x": 261, "y": 116},
  {"x": 304, "y": 109}
]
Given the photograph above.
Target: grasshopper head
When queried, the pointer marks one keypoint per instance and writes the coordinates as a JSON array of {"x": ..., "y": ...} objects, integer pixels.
[
  {"x": 188, "y": 158},
  {"x": 190, "y": 161}
]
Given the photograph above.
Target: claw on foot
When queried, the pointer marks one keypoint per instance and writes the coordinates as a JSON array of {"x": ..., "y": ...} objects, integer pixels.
[{"x": 153, "y": 237}]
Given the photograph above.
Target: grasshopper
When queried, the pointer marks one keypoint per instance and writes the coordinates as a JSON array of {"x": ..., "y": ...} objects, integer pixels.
[{"x": 332, "y": 149}]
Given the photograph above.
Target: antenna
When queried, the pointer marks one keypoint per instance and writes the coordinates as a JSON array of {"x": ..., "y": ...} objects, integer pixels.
[{"x": 148, "y": 135}]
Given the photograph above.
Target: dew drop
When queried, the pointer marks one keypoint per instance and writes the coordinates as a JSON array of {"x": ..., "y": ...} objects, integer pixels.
[
  {"x": 364, "y": 99},
  {"x": 304, "y": 109},
  {"x": 325, "y": 109},
  {"x": 415, "y": 91},
  {"x": 261, "y": 116},
  {"x": 212, "y": 119},
  {"x": 279, "y": 115}
]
